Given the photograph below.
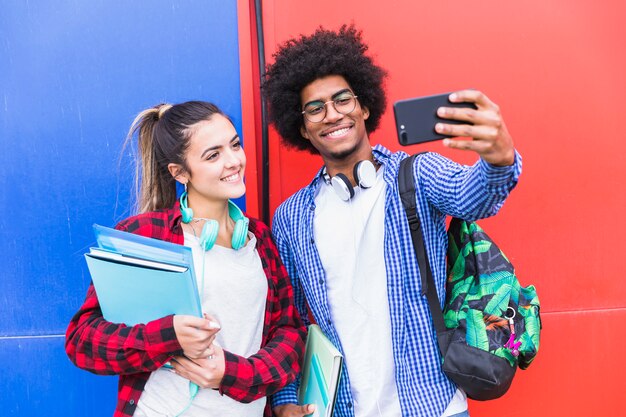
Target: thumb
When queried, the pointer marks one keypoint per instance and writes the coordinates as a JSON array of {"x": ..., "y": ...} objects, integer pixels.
[
  {"x": 308, "y": 409},
  {"x": 213, "y": 323}
]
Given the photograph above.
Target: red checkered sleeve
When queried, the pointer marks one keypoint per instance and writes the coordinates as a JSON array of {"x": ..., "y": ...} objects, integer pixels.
[
  {"x": 277, "y": 363},
  {"x": 102, "y": 347},
  {"x": 106, "y": 348}
]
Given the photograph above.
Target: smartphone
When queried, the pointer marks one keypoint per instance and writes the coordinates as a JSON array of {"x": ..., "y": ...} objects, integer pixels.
[{"x": 416, "y": 118}]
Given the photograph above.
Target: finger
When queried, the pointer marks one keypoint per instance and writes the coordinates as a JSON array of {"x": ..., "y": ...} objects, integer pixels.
[
  {"x": 197, "y": 322},
  {"x": 478, "y": 132},
  {"x": 468, "y": 145},
  {"x": 473, "y": 116},
  {"x": 187, "y": 364},
  {"x": 214, "y": 323},
  {"x": 178, "y": 361},
  {"x": 191, "y": 372},
  {"x": 472, "y": 96},
  {"x": 302, "y": 410},
  {"x": 188, "y": 324},
  {"x": 462, "y": 114},
  {"x": 294, "y": 410},
  {"x": 308, "y": 408}
]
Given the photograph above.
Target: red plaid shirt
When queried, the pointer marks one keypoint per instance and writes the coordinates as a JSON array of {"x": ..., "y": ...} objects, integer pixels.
[{"x": 106, "y": 348}]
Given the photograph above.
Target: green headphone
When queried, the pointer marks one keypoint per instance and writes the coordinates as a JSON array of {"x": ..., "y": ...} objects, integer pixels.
[{"x": 211, "y": 227}]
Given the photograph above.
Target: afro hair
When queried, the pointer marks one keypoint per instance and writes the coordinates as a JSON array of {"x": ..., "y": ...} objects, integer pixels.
[{"x": 302, "y": 60}]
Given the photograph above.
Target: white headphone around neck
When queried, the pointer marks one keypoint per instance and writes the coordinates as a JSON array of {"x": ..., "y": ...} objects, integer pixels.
[{"x": 364, "y": 174}]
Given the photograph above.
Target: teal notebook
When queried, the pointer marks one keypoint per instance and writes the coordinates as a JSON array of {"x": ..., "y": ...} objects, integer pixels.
[
  {"x": 321, "y": 371},
  {"x": 139, "y": 279}
]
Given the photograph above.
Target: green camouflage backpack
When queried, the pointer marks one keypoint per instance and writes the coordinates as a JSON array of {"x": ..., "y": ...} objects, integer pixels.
[
  {"x": 483, "y": 297},
  {"x": 490, "y": 324}
]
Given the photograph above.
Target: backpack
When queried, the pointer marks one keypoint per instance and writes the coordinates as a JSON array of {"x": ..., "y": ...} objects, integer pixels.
[{"x": 490, "y": 324}]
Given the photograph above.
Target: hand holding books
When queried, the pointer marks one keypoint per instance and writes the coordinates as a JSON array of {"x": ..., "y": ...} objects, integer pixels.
[
  {"x": 196, "y": 335},
  {"x": 205, "y": 372}
]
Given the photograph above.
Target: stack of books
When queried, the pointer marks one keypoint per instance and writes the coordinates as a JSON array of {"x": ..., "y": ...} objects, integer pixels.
[{"x": 139, "y": 279}]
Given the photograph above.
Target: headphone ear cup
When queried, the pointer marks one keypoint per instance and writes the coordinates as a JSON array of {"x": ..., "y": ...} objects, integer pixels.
[
  {"x": 364, "y": 173},
  {"x": 184, "y": 210},
  {"x": 209, "y": 234},
  {"x": 240, "y": 233},
  {"x": 343, "y": 188}
]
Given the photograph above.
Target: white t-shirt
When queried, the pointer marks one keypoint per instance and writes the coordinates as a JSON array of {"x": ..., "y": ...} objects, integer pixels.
[
  {"x": 351, "y": 247},
  {"x": 357, "y": 293},
  {"x": 235, "y": 294}
]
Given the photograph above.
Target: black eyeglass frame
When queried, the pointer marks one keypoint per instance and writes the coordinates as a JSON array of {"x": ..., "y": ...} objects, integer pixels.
[{"x": 336, "y": 97}]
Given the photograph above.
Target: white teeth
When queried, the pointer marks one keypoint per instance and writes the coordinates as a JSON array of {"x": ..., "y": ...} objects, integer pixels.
[
  {"x": 339, "y": 132},
  {"x": 231, "y": 178}
]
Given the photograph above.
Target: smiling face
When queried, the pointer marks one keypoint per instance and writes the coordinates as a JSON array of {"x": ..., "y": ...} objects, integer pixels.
[
  {"x": 215, "y": 163},
  {"x": 339, "y": 138}
]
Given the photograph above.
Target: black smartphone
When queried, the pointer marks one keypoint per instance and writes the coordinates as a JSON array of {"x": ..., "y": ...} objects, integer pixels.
[{"x": 416, "y": 118}]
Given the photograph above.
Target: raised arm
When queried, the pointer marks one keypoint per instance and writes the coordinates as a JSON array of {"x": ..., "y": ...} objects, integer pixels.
[
  {"x": 477, "y": 191},
  {"x": 490, "y": 137}
]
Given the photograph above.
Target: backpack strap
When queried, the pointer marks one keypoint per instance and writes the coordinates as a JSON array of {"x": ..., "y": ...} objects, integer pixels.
[{"x": 406, "y": 187}]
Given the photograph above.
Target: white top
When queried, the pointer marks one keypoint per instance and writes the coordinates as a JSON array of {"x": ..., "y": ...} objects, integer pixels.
[
  {"x": 350, "y": 244},
  {"x": 235, "y": 294},
  {"x": 350, "y": 237}
]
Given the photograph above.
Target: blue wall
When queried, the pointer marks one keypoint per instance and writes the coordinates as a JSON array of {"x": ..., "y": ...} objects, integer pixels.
[{"x": 72, "y": 77}]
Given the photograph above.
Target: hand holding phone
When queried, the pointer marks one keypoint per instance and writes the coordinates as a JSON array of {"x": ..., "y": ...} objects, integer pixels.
[{"x": 416, "y": 118}]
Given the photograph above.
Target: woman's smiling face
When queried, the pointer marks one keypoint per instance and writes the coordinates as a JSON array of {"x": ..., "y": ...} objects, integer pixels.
[{"x": 215, "y": 161}]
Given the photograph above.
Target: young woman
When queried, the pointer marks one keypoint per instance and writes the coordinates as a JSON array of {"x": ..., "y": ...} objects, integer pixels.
[{"x": 249, "y": 344}]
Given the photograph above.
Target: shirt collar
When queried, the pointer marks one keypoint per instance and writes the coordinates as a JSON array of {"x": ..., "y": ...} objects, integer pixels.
[{"x": 174, "y": 216}]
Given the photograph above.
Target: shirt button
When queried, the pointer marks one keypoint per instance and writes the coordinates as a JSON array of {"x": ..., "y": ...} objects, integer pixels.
[
  {"x": 312, "y": 207},
  {"x": 349, "y": 404},
  {"x": 131, "y": 402},
  {"x": 321, "y": 281},
  {"x": 312, "y": 240},
  {"x": 328, "y": 321}
]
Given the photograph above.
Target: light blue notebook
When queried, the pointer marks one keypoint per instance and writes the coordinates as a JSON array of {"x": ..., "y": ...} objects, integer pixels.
[
  {"x": 316, "y": 392},
  {"x": 139, "y": 279},
  {"x": 321, "y": 370}
]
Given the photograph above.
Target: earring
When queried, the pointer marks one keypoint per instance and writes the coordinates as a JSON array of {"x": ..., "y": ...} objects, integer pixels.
[{"x": 184, "y": 209}]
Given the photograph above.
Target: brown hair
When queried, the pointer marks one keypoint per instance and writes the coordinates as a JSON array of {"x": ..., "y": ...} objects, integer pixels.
[
  {"x": 302, "y": 60},
  {"x": 163, "y": 134}
]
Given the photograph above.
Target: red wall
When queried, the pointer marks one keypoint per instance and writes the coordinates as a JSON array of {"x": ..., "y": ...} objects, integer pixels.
[{"x": 557, "y": 70}]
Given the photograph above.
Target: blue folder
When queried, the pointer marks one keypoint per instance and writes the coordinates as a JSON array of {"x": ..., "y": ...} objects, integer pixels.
[{"x": 139, "y": 279}]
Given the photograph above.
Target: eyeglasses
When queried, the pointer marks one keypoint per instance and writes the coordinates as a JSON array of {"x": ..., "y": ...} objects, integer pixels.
[{"x": 343, "y": 103}]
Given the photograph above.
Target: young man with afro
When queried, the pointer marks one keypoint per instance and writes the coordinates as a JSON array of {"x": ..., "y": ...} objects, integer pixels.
[{"x": 345, "y": 239}]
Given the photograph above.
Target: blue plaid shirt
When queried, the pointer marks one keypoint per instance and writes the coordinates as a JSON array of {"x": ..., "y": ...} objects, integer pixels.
[{"x": 443, "y": 187}]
